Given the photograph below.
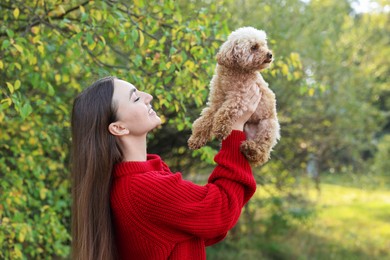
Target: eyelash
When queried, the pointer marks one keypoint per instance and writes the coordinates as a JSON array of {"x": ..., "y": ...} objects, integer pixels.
[{"x": 136, "y": 99}]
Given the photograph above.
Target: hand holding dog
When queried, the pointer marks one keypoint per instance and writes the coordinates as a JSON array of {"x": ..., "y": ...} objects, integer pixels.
[
  {"x": 233, "y": 102},
  {"x": 252, "y": 98}
]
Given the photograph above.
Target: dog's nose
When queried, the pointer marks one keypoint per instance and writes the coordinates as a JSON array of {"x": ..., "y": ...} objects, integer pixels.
[{"x": 269, "y": 55}]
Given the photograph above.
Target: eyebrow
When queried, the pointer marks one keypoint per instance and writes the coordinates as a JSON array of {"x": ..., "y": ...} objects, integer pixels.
[{"x": 132, "y": 91}]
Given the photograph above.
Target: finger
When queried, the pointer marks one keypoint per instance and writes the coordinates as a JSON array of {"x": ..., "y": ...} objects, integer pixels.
[
  {"x": 255, "y": 101},
  {"x": 252, "y": 91},
  {"x": 253, "y": 95},
  {"x": 255, "y": 88},
  {"x": 256, "y": 95}
]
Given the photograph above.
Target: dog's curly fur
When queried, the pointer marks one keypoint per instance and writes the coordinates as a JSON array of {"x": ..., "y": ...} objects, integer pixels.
[{"x": 240, "y": 59}]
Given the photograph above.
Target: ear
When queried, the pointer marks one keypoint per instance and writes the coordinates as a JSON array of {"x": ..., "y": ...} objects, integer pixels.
[
  {"x": 118, "y": 129},
  {"x": 225, "y": 56}
]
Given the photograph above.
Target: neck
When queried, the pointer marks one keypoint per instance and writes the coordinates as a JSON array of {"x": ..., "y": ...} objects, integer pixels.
[
  {"x": 234, "y": 71},
  {"x": 133, "y": 148}
]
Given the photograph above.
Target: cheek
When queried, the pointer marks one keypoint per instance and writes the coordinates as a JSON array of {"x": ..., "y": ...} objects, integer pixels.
[
  {"x": 135, "y": 115},
  {"x": 128, "y": 113},
  {"x": 264, "y": 52}
]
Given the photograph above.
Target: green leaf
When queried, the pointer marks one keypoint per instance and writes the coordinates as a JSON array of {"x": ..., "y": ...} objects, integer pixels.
[
  {"x": 25, "y": 111},
  {"x": 10, "y": 87},
  {"x": 50, "y": 89},
  {"x": 5, "y": 44},
  {"x": 18, "y": 47},
  {"x": 16, "y": 13},
  {"x": 141, "y": 38},
  {"x": 84, "y": 17},
  {"x": 10, "y": 33},
  {"x": 6, "y": 103},
  {"x": 17, "y": 84},
  {"x": 134, "y": 35}
]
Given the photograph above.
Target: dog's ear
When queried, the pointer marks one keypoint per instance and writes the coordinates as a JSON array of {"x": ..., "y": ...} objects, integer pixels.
[{"x": 225, "y": 56}]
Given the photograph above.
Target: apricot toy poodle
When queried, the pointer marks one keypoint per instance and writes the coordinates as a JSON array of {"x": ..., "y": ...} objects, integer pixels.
[{"x": 240, "y": 60}]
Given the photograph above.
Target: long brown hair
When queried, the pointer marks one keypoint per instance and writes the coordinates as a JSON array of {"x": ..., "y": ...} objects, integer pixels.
[{"x": 94, "y": 153}]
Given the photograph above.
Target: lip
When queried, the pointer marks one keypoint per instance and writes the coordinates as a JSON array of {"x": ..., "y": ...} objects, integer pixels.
[
  {"x": 151, "y": 112},
  {"x": 268, "y": 61}
]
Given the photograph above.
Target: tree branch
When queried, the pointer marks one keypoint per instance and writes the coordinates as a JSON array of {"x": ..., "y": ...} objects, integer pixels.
[{"x": 45, "y": 20}]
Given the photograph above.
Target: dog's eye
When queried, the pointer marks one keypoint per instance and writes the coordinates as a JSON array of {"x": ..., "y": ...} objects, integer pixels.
[{"x": 255, "y": 47}]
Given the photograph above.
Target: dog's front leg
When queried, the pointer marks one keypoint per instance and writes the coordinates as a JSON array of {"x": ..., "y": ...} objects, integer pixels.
[
  {"x": 269, "y": 133},
  {"x": 226, "y": 116},
  {"x": 201, "y": 129},
  {"x": 258, "y": 147}
]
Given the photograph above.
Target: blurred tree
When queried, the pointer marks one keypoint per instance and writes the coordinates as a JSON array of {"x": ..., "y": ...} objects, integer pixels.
[
  {"x": 381, "y": 164},
  {"x": 330, "y": 78},
  {"x": 330, "y": 110},
  {"x": 51, "y": 50}
]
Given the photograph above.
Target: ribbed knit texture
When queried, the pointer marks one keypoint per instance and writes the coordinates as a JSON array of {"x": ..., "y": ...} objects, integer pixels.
[{"x": 158, "y": 215}]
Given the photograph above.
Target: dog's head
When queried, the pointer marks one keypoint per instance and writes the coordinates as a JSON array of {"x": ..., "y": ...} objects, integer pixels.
[{"x": 246, "y": 48}]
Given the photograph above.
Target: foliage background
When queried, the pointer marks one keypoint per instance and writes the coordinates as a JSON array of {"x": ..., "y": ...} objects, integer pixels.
[{"x": 330, "y": 77}]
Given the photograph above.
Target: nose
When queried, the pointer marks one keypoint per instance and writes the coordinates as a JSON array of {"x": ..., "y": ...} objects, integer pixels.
[
  {"x": 147, "y": 97},
  {"x": 269, "y": 55}
]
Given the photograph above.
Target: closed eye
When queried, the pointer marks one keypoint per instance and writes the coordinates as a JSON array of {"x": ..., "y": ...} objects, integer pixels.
[{"x": 133, "y": 92}]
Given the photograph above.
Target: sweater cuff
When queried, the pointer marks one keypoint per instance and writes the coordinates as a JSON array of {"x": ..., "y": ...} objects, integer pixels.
[
  {"x": 234, "y": 140},
  {"x": 230, "y": 148}
]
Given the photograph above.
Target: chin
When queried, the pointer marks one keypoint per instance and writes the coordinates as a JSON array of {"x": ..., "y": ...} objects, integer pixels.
[
  {"x": 264, "y": 65},
  {"x": 158, "y": 121}
]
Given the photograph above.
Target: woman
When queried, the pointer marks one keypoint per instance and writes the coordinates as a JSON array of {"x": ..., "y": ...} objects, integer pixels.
[{"x": 127, "y": 204}]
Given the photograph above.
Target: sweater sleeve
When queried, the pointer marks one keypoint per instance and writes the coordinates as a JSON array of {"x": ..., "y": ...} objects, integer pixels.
[{"x": 180, "y": 209}]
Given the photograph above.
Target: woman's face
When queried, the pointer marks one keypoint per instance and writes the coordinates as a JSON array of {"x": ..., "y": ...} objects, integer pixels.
[{"x": 134, "y": 111}]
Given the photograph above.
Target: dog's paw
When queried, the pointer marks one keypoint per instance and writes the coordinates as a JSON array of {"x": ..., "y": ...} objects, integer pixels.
[
  {"x": 253, "y": 153},
  {"x": 221, "y": 132},
  {"x": 196, "y": 143}
]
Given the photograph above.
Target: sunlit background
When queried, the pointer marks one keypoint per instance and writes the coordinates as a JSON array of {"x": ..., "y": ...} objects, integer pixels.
[{"x": 323, "y": 195}]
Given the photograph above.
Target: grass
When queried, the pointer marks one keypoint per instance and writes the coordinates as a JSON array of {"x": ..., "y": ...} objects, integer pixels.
[{"x": 352, "y": 221}]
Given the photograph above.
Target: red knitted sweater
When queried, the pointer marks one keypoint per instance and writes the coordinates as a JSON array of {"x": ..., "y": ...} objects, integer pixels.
[{"x": 158, "y": 215}]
